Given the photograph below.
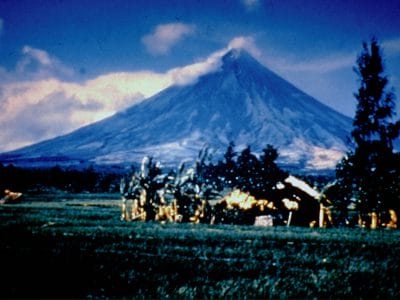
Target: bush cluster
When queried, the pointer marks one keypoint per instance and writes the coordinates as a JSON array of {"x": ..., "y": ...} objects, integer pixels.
[{"x": 88, "y": 179}]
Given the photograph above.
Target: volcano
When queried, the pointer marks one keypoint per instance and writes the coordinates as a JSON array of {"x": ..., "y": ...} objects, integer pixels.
[{"x": 242, "y": 101}]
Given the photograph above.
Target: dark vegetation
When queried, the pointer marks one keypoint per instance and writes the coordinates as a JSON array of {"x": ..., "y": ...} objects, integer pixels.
[
  {"x": 368, "y": 176},
  {"x": 73, "y": 180},
  {"x": 77, "y": 248},
  {"x": 263, "y": 173}
]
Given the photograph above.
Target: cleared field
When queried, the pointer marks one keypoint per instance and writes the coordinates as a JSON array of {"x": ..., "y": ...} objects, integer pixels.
[{"x": 75, "y": 246}]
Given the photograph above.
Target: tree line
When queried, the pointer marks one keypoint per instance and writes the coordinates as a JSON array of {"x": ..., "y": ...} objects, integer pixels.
[{"x": 57, "y": 178}]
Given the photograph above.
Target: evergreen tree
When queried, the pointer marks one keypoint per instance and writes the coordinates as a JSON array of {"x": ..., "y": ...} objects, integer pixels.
[
  {"x": 228, "y": 167},
  {"x": 369, "y": 172},
  {"x": 248, "y": 171},
  {"x": 270, "y": 173}
]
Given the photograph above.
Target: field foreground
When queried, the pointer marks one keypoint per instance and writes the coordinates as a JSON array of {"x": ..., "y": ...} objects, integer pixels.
[{"x": 75, "y": 246}]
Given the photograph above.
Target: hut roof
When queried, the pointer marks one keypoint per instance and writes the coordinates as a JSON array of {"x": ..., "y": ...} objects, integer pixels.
[{"x": 303, "y": 186}]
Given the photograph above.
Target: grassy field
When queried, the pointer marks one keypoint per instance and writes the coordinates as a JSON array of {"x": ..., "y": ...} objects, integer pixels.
[{"x": 75, "y": 246}]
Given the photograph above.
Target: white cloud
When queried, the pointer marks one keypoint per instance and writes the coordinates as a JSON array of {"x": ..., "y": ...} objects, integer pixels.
[
  {"x": 46, "y": 118},
  {"x": 69, "y": 105},
  {"x": 40, "y": 55},
  {"x": 250, "y": 4},
  {"x": 41, "y": 64},
  {"x": 36, "y": 104},
  {"x": 165, "y": 36},
  {"x": 121, "y": 86},
  {"x": 391, "y": 47}
]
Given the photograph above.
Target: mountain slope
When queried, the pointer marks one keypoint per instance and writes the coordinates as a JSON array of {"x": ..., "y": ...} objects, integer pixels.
[{"x": 243, "y": 102}]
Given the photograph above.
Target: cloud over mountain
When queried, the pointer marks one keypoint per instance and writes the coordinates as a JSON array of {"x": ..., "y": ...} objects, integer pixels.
[
  {"x": 35, "y": 90},
  {"x": 240, "y": 100}
]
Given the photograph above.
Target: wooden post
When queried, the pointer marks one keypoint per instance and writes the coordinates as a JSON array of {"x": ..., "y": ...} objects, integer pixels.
[
  {"x": 321, "y": 215},
  {"x": 374, "y": 220},
  {"x": 393, "y": 219},
  {"x": 289, "y": 219}
]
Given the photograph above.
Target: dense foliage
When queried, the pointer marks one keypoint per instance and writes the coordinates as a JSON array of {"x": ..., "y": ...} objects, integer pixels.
[
  {"x": 368, "y": 175},
  {"x": 245, "y": 171},
  {"x": 72, "y": 180},
  {"x": 249, "y": 173}
]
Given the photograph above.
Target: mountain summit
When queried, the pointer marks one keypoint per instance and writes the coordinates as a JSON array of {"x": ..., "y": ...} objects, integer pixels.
[{"x": 242, "y": 101}]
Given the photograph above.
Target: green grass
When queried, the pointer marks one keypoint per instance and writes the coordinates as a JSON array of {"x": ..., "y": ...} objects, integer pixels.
[{"x": 75, "y": 246}]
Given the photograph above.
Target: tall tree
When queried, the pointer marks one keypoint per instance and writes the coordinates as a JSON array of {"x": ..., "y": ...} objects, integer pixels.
[
  {"x": 368, "y": 173},
  {"x": 229, "y": 168},
  {"x": 270, "y": 172},
  {"x": 248, "y": 171}
]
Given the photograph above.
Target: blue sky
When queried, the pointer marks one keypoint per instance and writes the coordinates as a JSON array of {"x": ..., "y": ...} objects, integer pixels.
[{"x": 64, "y": 64}]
